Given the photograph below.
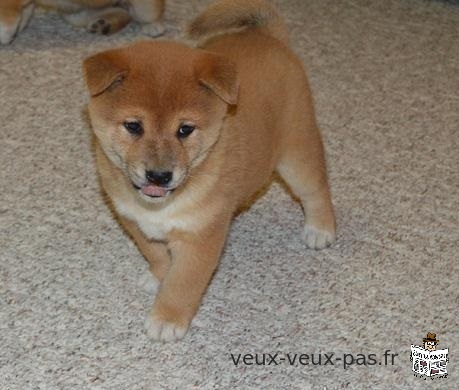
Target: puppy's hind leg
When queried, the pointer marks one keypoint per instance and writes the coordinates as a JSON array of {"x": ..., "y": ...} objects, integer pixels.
[
  {"x": 149, "y": 13},
  {"x": 302, "y": 166},
  {"x": 103, "y": 21}
]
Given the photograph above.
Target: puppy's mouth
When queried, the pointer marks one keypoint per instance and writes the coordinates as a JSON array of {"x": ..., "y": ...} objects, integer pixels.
[{"x": 152, "y": 190}]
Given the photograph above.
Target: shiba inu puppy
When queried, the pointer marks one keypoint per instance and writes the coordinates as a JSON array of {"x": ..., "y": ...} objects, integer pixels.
[
  {"x": 185, "y": 136},
  {"x": 97, "y": 16}
]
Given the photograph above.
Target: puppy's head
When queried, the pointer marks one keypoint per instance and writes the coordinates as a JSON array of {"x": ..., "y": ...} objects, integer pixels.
[
  {"x": 14, "y": 15},
  {"x": 157, "y": 109}
]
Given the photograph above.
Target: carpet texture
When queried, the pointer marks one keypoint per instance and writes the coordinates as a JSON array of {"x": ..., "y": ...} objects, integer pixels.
[{"x": 385, "y": 80}]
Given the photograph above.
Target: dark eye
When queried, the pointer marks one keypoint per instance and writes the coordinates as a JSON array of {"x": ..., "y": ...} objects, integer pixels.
[
  {"x": 133, "y": 127},
  {"x": 184, "y": 131}
]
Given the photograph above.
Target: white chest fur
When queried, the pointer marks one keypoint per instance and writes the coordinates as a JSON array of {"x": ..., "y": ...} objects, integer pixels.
[{"x": 155, "y": 223}]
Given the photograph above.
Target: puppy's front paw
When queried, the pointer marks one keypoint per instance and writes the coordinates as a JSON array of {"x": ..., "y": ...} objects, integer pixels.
[
  {"x": 100, "y": 26},
  {"x": 7, "y": 34},
  {"x": 153, "y": 30},
  {"x": 317, "y": 238},
  {"x": 160, "y": 330},
  {"x": 148, "y": 282}
]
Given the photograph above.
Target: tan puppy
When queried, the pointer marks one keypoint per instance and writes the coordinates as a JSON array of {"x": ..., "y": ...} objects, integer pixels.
[
  {"x": 186, "y": 136},
  {"x": 97, "y": 16}
]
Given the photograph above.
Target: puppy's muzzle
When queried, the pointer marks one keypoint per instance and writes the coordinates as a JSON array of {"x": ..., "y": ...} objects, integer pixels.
[{"x": 159, "y": 178}]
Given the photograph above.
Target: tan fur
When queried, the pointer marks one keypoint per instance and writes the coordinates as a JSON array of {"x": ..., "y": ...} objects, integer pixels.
[
  {"x": 248, "y": 97},
  {"x": 223, "y": 16},
  {"x": 97, "y": 16}
]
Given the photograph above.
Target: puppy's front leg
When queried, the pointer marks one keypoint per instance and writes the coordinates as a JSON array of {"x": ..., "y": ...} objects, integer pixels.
[
  {"x": 156, "y": 253},
  {"x": 27, "y": 13},
  {"x": 149, "y": 13},
  {"x": 194, "y": 259},
  {"x": 104, "y": 21}
]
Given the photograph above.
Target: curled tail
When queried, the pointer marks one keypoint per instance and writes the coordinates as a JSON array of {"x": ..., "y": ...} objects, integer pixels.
[{"x": 232, "y": 14}]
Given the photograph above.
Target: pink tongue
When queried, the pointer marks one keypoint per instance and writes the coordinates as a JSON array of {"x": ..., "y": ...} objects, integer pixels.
[{"x": 152, "y": 190}]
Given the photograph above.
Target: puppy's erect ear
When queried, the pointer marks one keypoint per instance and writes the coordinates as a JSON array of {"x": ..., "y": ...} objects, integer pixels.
[
  {"x": 219, "y": 75},
  {"x": 103, "y": 70}
]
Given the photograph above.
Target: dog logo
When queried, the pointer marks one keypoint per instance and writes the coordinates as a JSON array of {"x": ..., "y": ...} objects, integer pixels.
[{"x": 427, "y": 361}]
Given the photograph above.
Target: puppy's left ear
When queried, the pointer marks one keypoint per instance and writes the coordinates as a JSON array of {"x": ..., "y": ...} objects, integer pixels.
[
  {"x": 219, "y": 75},
  {"x": 104, "y": 70}
]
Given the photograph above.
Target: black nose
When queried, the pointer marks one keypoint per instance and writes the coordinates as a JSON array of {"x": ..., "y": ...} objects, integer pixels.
[{"x": 160, "y": 178}]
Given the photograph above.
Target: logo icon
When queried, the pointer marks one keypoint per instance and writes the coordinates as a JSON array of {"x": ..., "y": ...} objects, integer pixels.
[{"x": 428, "y": 362}]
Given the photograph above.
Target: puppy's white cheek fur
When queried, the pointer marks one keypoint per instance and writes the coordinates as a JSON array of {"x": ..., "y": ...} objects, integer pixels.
[
  {"x": 114, "y": 156},
  {"x": 111, "y": 147},
  {"x": 136, "y": 173},
  {"x": 179, "y": 176}
]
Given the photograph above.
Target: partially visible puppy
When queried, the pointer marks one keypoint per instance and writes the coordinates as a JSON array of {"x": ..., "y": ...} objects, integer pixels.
[
  {"x": 96, "y": 16},
  {"x": 185, "y": 136},
  {"x": 14, "y": 17}
]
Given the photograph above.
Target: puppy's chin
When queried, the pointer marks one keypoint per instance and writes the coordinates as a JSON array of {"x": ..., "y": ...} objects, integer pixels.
[{"x": 154, "y": 199}]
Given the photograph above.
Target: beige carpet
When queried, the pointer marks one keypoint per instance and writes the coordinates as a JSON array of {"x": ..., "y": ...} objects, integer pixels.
[{"x": 385, "y": 76}]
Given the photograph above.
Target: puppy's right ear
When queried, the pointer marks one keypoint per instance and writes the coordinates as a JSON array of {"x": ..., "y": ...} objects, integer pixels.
[
  {"x": 219, "y": 75},
  {"x": 103, "y": 71}
]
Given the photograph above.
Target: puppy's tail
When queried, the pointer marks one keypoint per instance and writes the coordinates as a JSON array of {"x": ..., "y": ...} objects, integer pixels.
[{"x": 226, "y": 15}]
